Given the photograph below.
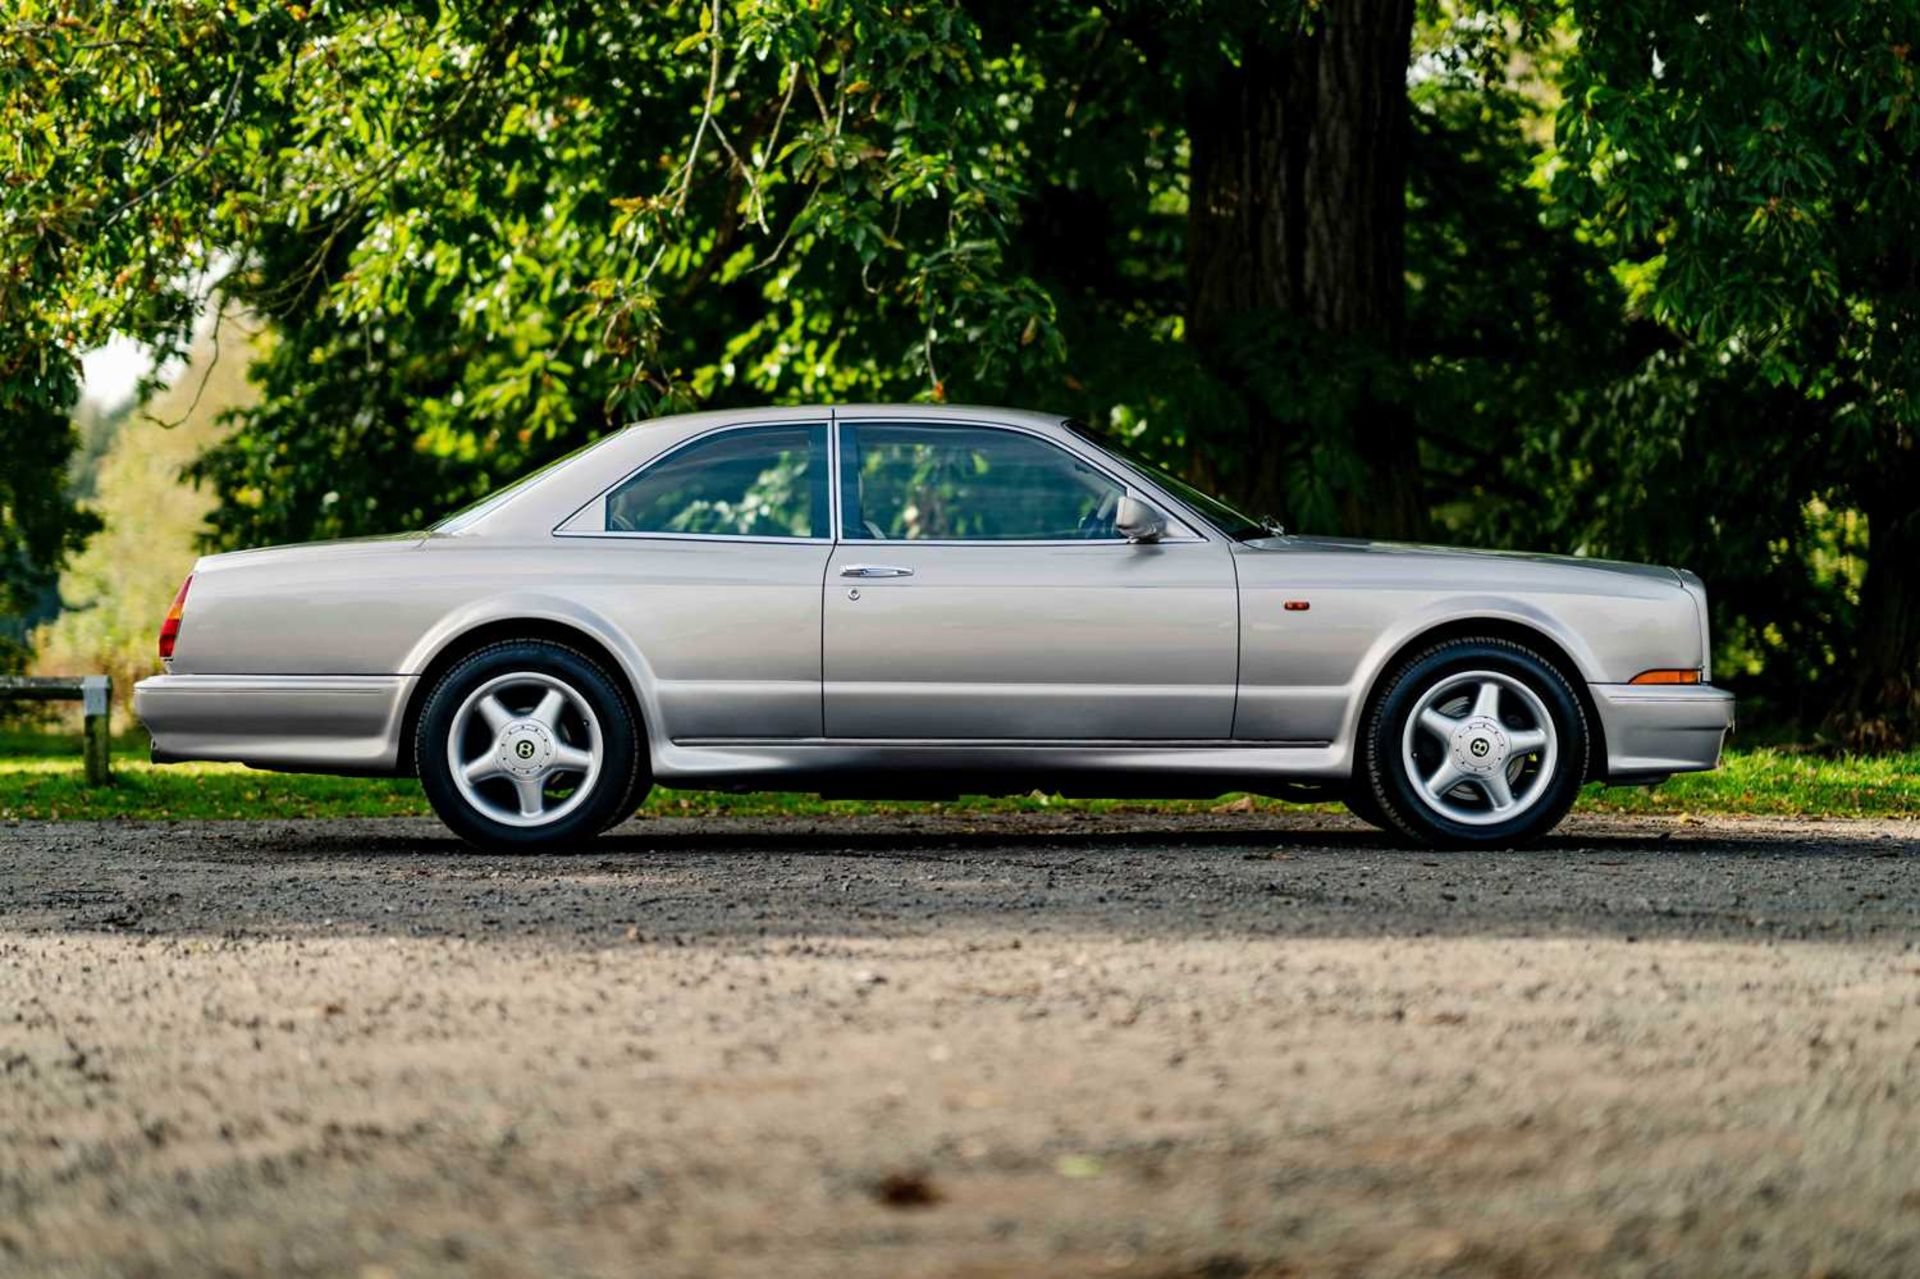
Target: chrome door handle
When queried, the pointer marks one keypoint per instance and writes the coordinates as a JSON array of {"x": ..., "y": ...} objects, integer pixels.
[{"x": 875, "y": 570}]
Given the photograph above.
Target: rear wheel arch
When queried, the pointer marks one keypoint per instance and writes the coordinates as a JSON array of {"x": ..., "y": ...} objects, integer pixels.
[
  {"x": 1549, "y": 649},
  {"x": 468, "y": 642}
]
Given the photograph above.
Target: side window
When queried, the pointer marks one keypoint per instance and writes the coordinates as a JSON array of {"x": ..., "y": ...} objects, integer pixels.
[
  {"x": 766, "y": 481},
  {"x": 963, "y": 483}
]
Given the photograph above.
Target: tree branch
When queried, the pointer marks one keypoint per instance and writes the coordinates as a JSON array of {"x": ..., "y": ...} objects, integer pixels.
[
  {"x": 706, "y": 109},
  {"x": 206, "y": 151}
]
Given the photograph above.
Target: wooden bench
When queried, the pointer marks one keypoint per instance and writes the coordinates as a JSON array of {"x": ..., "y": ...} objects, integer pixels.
[{"x": 94, "y": 693}]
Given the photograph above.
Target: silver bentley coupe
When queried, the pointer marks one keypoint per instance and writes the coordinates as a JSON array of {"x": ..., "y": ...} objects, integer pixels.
[{"x": 927, "y": 601}]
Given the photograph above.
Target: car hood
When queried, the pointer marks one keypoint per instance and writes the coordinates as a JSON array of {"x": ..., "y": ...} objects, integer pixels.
[{"x": 1361, "y": 546}]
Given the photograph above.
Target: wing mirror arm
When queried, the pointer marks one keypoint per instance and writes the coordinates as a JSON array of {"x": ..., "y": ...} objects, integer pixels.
[{"x": 1137, "y": 521}]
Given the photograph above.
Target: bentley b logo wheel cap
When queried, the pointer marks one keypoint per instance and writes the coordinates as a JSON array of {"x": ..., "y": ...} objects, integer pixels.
[{"x": 525, "y": 749}]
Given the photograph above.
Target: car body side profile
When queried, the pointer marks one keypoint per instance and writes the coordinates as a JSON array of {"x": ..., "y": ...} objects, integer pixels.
[{"x": 927, "y": 601}]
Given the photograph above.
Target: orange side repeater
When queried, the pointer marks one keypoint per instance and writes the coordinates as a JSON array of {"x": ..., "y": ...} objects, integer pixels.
[{"x": 1666, "y": 677}]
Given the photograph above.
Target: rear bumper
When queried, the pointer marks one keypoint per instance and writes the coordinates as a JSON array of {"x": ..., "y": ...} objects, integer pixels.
[
  {"x": 297, "y": 723},
  {"x": 1653, "y": 731}
]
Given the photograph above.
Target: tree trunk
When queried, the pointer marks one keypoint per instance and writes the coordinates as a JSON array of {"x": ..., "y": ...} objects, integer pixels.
[
  {"x": 1880, "y": 709},
  {"x": 1297, "y": 212}
]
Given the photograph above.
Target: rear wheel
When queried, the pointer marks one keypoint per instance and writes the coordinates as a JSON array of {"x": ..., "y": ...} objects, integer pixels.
[
  {"x": 637, "y": 791},
  {"x": 528, "y": 743},
  {"x": 1474, "y": 742}
]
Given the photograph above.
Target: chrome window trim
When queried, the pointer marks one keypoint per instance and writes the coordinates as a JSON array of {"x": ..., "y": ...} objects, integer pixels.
[
  {"x": 560, "y": 528},
  {"x": 623, "y": 536},
  {"x": 1098, "y": 466},
  {"x": 1058, "y": 541},
  {"x": 1199, "y": 530},
  {"x": 833, "y": 476}
]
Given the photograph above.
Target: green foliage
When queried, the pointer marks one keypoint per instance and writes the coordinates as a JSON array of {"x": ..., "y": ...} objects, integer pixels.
[
  {"x": 1515, "y": 320},
  {"x": 1760, "y": 158},
  {"x": 114, "y": 592},
  {"x": 1756, "y": 170},
  {"x": 1678, "y": 325},
  {"x": 1641, "y": 469},
  {"x": 485, "y": 238},
  {"x": 39, "y": 526},
  {"x": 110, "y": 133},
  {"x": 485, "y": 242}
]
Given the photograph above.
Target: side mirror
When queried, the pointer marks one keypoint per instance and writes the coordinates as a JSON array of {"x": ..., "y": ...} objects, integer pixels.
[{"x": 1134, "y": 520}]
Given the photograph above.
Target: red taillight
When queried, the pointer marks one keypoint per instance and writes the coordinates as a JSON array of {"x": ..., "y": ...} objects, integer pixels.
[{"x": 170, "y": 628}]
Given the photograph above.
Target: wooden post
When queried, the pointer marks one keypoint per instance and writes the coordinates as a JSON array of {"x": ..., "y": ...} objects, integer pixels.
[{"x": 96, "y": 697}]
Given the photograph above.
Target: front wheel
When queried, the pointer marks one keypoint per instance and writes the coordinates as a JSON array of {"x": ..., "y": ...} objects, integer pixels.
[
  {"x": 525, "y": 744},
  {"x": 1360, "y": 802},
  {"x": 1474, "y": 742}
]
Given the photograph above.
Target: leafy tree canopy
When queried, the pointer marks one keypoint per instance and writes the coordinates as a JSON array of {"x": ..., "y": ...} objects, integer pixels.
[
  {"x": 488, "y": 235},
  {"x": 1756, "y": 168}
]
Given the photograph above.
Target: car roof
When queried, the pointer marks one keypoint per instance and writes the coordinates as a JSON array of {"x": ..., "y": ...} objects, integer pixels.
[{"x": 934, "y": 414}]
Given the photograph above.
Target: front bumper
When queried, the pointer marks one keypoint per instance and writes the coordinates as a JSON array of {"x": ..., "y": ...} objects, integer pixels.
[
  {"x": 1653, "y": 731},
  {"x": 295, "y": 723}
]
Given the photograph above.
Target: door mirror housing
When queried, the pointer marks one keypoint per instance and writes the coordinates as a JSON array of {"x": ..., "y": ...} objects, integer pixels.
[{"x": 1136, "y": 521}]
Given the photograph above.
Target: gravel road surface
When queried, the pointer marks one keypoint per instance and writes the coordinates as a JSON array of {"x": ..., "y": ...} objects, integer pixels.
[{"x": 1233, "y": 1045}]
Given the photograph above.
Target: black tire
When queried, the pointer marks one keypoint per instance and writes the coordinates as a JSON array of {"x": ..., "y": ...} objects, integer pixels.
[
  {"x": 622, "y": 756},
  {"x": 637, "y": 791},
  {"x": 1359, "y": 801},
  {"x": 1382, "y": 776}
]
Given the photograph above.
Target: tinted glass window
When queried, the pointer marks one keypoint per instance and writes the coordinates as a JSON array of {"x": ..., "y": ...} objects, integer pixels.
[
  {"x": 478, "y": 509},
  {"x": 767, "y": 481},
  {"x": 957, "y": 483},
  {"x": 1234, "y": 523}
]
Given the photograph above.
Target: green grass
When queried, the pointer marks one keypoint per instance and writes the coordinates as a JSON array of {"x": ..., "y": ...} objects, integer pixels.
[
  {"x": 1780, "y": 783},
  {"x": 52, "y": 788},
  {"x": 40, "y": 779}
]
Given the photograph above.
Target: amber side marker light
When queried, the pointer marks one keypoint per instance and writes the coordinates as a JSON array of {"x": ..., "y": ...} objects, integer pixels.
[
  {"x": 1666, "y": 677},
  {"x": 170, "y": 627}
]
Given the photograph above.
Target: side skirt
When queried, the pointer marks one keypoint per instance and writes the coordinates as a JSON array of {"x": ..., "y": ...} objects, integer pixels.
[{"x": 899, "y": 768}]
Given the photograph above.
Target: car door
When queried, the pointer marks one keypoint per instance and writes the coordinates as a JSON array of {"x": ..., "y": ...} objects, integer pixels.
[
  {"x": 979, "y": 590},
  {"x": 710, "y": 557}
]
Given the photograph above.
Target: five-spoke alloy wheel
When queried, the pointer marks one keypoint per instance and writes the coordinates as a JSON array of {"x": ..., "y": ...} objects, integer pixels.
[
  {"x": 528, "y": 743},
  {"x": 1473, "y": 741}
]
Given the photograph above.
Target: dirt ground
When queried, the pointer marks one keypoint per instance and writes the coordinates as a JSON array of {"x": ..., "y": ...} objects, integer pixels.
[{"x": 1034, "y": 1045}]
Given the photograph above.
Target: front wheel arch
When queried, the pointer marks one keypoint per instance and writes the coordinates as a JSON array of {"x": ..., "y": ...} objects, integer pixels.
[{"x": 1532, "y": 637}]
